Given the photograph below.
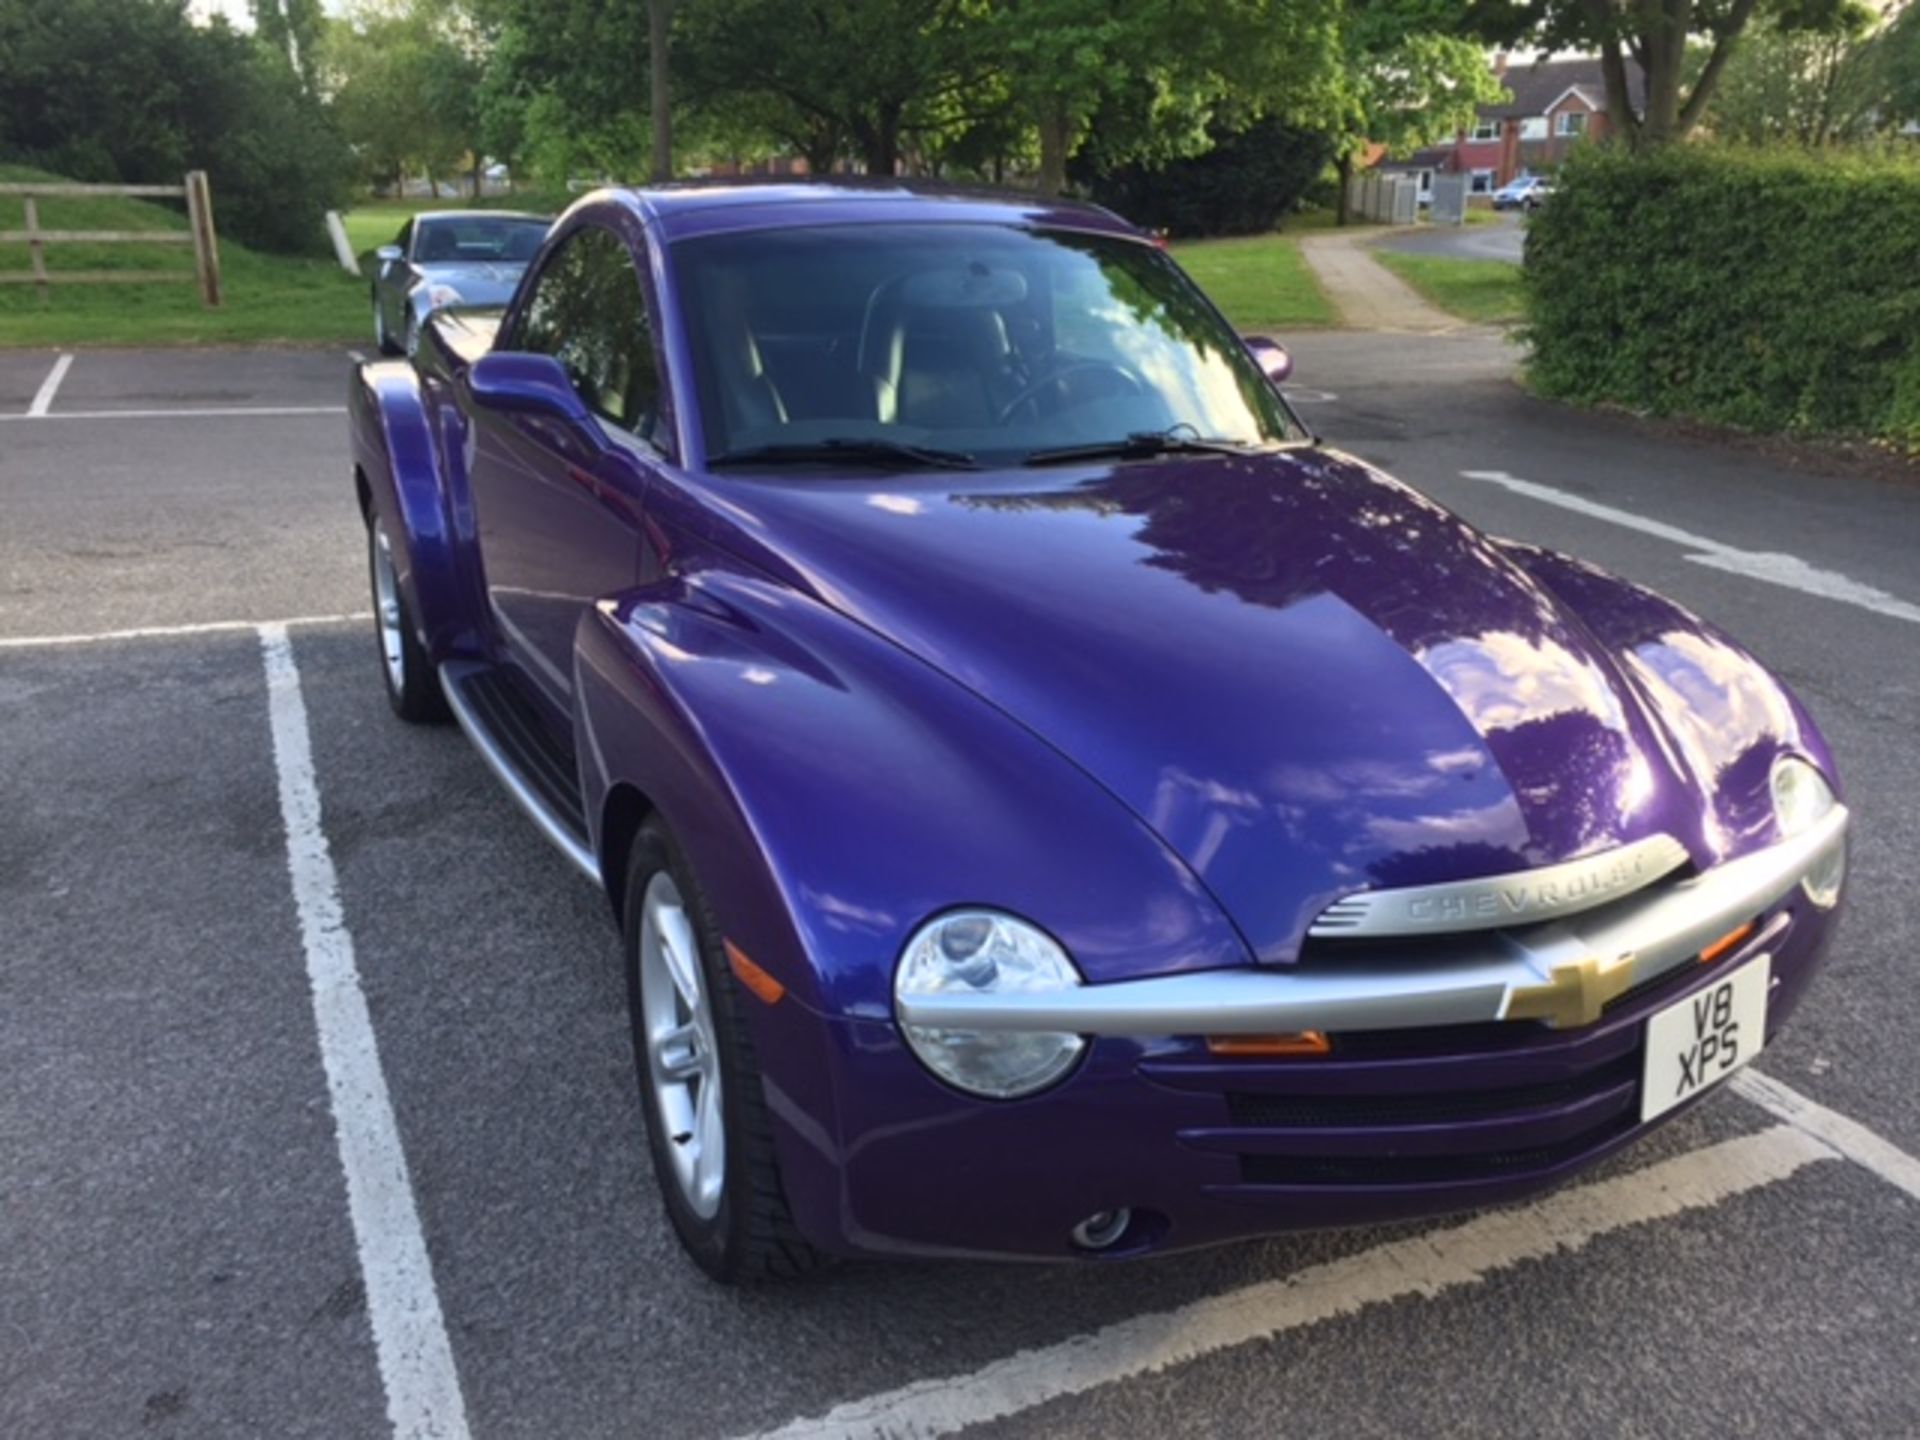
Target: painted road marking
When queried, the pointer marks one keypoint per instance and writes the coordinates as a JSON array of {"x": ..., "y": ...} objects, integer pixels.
[
  {"x": 1849, "y": 1137},
  {"x": 151, "y": 632},
  {"x": 1772, "y": 568},
  {"x": 49, "y": 387},
  {"x": 1424, "y": 1265},
  {"x": 409, "y": 1335},
  {"x": 190, "y": 414}
]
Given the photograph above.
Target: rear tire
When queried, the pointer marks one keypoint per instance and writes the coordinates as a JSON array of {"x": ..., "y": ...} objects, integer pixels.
[
  {"x": 413, "y": 687},
  {"x": 692, "y": 1043}
]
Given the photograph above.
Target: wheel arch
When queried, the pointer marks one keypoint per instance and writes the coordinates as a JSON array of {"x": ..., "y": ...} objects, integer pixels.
[{"x": 400, "y": 477}]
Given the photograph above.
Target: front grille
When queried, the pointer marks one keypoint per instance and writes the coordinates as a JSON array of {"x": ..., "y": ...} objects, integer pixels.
[
  {"x": 1367, "y": 1122},
  {"x": 1291, "y": 1112},
  {"x": 1421, "y": 1169}
]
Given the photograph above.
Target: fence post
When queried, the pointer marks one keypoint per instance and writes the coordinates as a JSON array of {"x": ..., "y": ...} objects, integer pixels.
[
  {"x": 206, "y": 248},
  {"x": 36, "y": 251}
]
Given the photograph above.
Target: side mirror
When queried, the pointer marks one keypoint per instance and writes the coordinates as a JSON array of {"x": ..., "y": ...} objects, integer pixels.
[
  {"x": 1271, "y": 356},
  {"x": 387, "y": 254},
  {"x": 518, "y": 383}
]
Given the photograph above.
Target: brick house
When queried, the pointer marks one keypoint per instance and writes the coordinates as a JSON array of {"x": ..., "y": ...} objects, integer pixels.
[{"x": 1556, "y": 104}]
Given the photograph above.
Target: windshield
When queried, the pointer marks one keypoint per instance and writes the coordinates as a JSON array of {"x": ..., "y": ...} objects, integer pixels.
[
  {"x": 989, "y": 343},
  {"x": 477, "y": 239}
]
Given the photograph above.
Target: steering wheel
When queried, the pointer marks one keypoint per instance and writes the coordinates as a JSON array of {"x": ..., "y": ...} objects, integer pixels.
[{"x": 1056, "y": 379}]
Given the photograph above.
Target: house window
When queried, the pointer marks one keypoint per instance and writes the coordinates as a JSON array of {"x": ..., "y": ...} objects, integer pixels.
[
  {"x": 1570, "y": 122},
  {"x": 1481, "y": 182},
  {"x": 1486, "y": 129},
  {"x": 1534, "y": 127}
]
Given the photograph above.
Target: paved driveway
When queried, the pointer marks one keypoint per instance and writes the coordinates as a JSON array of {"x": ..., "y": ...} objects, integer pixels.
[
  {"x": 1501, "y": 238},
  {"x": 179, "y": 1251}
]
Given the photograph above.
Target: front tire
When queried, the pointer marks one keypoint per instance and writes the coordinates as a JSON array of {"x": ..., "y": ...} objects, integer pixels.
[
  {"x": 381, "y": 339},
  {"x": 707, "y": 1125},
  {"x": 413, "y": 689}
]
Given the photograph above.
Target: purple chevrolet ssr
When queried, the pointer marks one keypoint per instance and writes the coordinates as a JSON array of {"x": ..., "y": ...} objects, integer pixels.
[{"x": 1055, "y": 807}]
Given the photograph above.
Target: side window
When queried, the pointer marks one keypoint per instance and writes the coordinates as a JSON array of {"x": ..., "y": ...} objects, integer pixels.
[{"x": 588, "y": 312}]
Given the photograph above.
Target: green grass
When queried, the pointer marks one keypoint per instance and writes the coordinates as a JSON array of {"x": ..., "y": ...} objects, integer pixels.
[
  {"x": 267, "y": 297},
  {"x": 1260, "y": 281},
  {"x": 1486, "y": 292}
]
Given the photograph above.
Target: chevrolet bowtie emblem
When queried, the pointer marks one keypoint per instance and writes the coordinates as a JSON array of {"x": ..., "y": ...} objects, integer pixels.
[{"x": 1574, "y": 994}]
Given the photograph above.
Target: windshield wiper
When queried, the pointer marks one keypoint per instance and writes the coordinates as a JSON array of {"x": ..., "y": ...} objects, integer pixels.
[
  {"x": 846, "y": 450},
  {"x": 1141, "y": 445}
]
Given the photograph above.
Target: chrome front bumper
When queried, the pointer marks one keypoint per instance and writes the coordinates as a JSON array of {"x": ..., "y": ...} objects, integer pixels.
[{"x": 1523, "y": 974}]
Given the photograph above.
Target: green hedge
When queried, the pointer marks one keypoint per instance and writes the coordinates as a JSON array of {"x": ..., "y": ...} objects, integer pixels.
[{"x": 1770, "y": 290}]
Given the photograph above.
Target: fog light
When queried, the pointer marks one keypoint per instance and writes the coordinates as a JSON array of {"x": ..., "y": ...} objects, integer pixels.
[{"x": 1101, "y": 1230}]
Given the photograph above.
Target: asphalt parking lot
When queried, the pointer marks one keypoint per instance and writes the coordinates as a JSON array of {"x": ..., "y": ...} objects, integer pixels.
[{"x": 183, "y": 1254}]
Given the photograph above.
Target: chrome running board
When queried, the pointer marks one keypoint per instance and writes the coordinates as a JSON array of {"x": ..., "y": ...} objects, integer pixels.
[{"x": 539, "y": 774}]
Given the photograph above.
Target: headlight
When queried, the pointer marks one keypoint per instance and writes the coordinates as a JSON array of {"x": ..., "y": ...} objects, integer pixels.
[
  {"x": 440, "y": 295},
  {"x": 1802, "y": 798},
  {"x": 975, "y": 951}
]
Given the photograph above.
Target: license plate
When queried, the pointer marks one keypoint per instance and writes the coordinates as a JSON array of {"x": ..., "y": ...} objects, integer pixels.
[{"x": 1701, "y": 1040}]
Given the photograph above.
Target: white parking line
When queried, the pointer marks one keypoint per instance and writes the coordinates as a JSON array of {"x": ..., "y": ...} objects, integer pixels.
[
  {"x": 403, "y": 1306},
  {"x": 212, "y": 411},
  {"x": 49, "y": 387},
  {"x": 1768, "y": 566},
  {"x": 151, "y": 632},
  {"x": 1424, "y": 1265},
  {"x": 1849, "y": 1137}
]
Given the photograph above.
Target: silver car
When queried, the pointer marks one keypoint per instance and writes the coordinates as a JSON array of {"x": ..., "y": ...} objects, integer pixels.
[{"x": 448, "y": 257}]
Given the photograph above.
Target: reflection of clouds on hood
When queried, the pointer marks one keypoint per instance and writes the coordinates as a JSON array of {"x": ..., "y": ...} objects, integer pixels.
[
  {"x": 1711, "y": 688},
  {"x": 842, "y": 914},
  {"x": 1503, "y": 679},
  {"x": 1720, "y": 709},
  {"x": 1352, "y": 780},
  {"x": 1484, "y": 825}
]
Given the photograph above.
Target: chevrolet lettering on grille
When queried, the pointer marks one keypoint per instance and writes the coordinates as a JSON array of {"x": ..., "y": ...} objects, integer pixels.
[{"x": 1495, "y": 901}]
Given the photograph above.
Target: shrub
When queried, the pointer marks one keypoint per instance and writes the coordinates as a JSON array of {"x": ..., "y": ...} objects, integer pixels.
[
  {"x": 1242, "y": 186},
  {"x": 133, "y": 91},
  {"x": 1768, "y": 289}
]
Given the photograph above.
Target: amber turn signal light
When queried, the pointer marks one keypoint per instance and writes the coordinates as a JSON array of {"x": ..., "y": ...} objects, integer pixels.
[
  {"x": 1727, "y": 943},
  {"x": 763, "y": 985},
  {"x": 1294, "y": 1043}
]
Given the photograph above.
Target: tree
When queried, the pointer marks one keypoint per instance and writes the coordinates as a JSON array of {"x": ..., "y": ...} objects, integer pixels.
[
  {"x": 1160, "y": 76},
  {"x": 1655, "y": 35},
  {"x": 292, "y": 28},
  {"x": 1409, "y": 82},
  {"x": 1809, "y": 87},
  {"x": 1899, "y": 47},
  {"x": 826, "y": 73},
  {"x": 133, "y": 91},
  {"x": 659, "y": 26},
  {"x": 405, "y": 92},
  {"x": 566, "y": 86}
]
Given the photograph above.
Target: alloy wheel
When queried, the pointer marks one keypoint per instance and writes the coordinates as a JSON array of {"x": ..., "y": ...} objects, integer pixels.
[
  {"x": 681, "y": 1054},
  {"x": 386, "y": 599}
]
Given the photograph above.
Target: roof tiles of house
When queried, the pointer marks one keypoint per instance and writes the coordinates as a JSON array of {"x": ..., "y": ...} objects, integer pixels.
[{"x": 1535, "y": 87}]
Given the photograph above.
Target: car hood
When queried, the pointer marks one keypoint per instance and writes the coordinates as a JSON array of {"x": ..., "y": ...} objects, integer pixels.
[
  {"x": 1306, "y": 677},
  {"x": 478, "y": 284}
]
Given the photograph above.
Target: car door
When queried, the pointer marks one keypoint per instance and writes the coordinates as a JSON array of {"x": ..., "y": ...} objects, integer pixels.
[{"x": 559, "y": 512}]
